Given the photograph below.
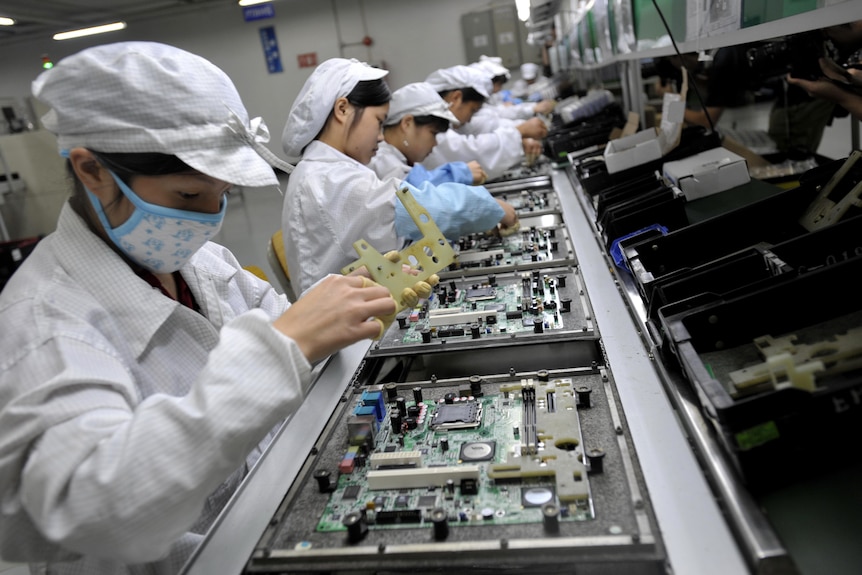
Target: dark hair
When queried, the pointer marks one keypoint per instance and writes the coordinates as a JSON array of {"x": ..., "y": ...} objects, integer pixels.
[
  {"x": 441, "y": 124},
  {"x": 467, "y": 94},
  {"x": 369, "y": 93},
  {"x": 501, "y": 79},
  {"x": 127, "y": 165}
]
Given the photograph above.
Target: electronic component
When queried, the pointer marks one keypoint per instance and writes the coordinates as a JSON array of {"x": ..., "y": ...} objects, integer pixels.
[
  {"x": 461, "y": 415},
  {"x": 551, "y": 299}
]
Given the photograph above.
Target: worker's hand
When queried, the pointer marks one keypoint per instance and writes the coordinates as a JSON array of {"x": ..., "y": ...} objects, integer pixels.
[
  {"x": 532, "y": 150},
  {"x": 533, "y": 128},
  {"x": 544, "y": 107},
  {"x": 510, "y": 216},
  {"x": 479, "y": 175},
  {"x": 334, "y": 314},
  {"x": 838, "y": 85}
]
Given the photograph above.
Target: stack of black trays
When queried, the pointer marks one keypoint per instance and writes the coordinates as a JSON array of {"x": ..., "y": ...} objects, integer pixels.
[
  {"x": 593, "y": 131},
  {"x": 727, "y": 292}
]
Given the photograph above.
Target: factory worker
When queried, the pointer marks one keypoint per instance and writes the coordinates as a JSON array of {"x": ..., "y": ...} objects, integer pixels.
[
  {"x": 465, "y": 89},
  {"x": 416, "y": 115},
  {"x": 143, "y": 370},
  {"x": 530, "y": 78},
  {"x": 498, "y": 109},
  {"x": 334, "y": 199}
]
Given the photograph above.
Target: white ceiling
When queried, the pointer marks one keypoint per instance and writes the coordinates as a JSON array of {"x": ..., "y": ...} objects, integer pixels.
[{"x": 43, "y": 18}]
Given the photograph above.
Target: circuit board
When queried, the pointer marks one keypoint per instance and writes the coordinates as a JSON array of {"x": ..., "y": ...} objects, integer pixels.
[
  {"x": 498, "y": 309},
  {"x": 531, "y": 201},
  {"x": 530, "y": 247},
  {"x": 499, "y": 457}
]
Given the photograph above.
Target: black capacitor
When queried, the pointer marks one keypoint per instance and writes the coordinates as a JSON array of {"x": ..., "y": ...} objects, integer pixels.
[
  {"x": 391, "y": 391},
  {"x": 473, "y": 305},
  {"x": 452, "y": 286},
  {"x": 413, "y": 411},
  {"x": 476, "y": 386},
  {"x": 395, "y": 420},
  {"x": 444, "y": 447},
  {"x": 534, "y": 257},
  {"x": 554, "y": 246},
  {"x": 491, "y": 319},
  {"x": 583, "y": 392},
  {"x": 595, "y": 457},
  {"x": 552, "y": 232},
  {"x": 449, "y": 398},
  {"x": 323, "y": 476},
  {"x": 440, "y": 521},
  {"x": 357, "y": 526},
  {"x": 492, "y": 280},
  {"x": 551, "y": 517},
  {"x": 567, "y": 304},
  {"x": 543, "y": 375},
  {"x": 474, "y": 330},
  {"x": 552, "y": 287},
  {"x": 426, "y": 335},
  {"x": 417, "y": 395},
  {"x": 402, "y": 321},
  {"x": 410, "y": 422},
  {"x": 561, "y": 281},
  {"x": 450, "y": 486},
  {"x": 401, "y": 404},
  {"x": 538, "y": 326}
]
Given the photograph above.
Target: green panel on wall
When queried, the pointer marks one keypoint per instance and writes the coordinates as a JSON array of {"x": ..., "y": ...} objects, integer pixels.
[
  {"x": 756, "y": 12},
  {"x": 648, "y": 24}
]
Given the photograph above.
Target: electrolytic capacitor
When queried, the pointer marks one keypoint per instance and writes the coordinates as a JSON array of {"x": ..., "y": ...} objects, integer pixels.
[
  {"x": 440, "y": 521},
  {"x": 567, "y": 304},
  {"x": 561, "y": 281},
  {"x": 551, "y": 517},
  {"x": 357, "y": 526},
  {"x": 474, "y": 330},
  {"x": 596, "y": 456},
  {"x": 449, "y": 397},
  {"x": 323, "y": 476},
  {"x": 426, "y": 335},
  {"x": 401, "y": 404},
  {"x": 444, "y": 447},
  {"x": 395, "y": 420},
  {"x": 476, "y": 386},
  {"x": 538, "y": 325},
  {"x": 410, "y": 423},
  {"x": 413, "y": 410},
  {"x": 417, "y": 395},
  {"x": 391, "y": 391}
]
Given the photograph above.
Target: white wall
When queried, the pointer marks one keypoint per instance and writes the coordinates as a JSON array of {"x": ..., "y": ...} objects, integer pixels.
[{"x": 411, "y": 38}]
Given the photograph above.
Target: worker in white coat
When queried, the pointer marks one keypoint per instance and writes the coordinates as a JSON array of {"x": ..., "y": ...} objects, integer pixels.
[
  {"x": 143, "y": 370},
  {"x": 496, "y": 110},
  {"x": 417, "y": 114},
  {"x": 466, "y": 89},
  {"x": 334, "y": 199}
]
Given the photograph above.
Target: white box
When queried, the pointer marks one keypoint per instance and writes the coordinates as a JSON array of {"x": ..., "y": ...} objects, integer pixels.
[
  {"x": 631, "y": 151},
  {"x": 707, "y": 173}
]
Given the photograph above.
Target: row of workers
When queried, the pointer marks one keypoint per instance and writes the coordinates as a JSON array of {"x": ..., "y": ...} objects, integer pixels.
[{"x": 142, "y": 370}]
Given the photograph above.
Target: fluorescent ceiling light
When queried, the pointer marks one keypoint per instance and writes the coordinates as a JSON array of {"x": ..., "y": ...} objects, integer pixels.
[
  {"x": 523, "y": 8},
  {"x": 6, "y": 21},
  {"x": 253, "y": 2},
  {"x": 90, "y": 31}
]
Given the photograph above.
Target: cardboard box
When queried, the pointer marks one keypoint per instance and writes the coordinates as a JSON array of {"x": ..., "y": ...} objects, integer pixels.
[
  {"x": 629, "y": 151},
  {"x": 707, "y": 173}
]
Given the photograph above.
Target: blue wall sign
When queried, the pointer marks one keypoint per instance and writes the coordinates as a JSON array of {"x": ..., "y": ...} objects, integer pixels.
[
  {"x": 258, "y": 12},
  {"x": 270, "y": 49}
]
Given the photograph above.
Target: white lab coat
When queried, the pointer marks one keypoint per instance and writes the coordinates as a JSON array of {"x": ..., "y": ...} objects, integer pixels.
[
  {"x": 496, "y": 151},
  {"x": 127, "y": 419},
  {"x": 389, "y": 162},
  {"x": 333, "y": 201}
]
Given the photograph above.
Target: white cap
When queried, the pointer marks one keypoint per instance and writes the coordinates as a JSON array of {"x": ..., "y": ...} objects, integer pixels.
[
  {"x": 333, "y": 79},
  {"x": 418, "y": 99},
  {"x": 529, "y": 71},
  {"x": 458, "y": 77},
  {"x": 145, "y": 97},
  {"x": 493, "y": 65}
]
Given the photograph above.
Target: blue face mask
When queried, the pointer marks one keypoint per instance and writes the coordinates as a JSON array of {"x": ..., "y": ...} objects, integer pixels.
[{"x": 157, "y": 238}]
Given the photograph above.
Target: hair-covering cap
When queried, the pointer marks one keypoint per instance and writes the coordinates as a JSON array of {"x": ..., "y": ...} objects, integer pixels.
[
  {"x": 458, "y": 77},
  {"x": 529, "y": 71},
  {"x": 333, "y": 79},
  {"x": 493, "y": 65},
  {"x": 145, "y": 97},
  {"x": 418, "y": 99}
]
